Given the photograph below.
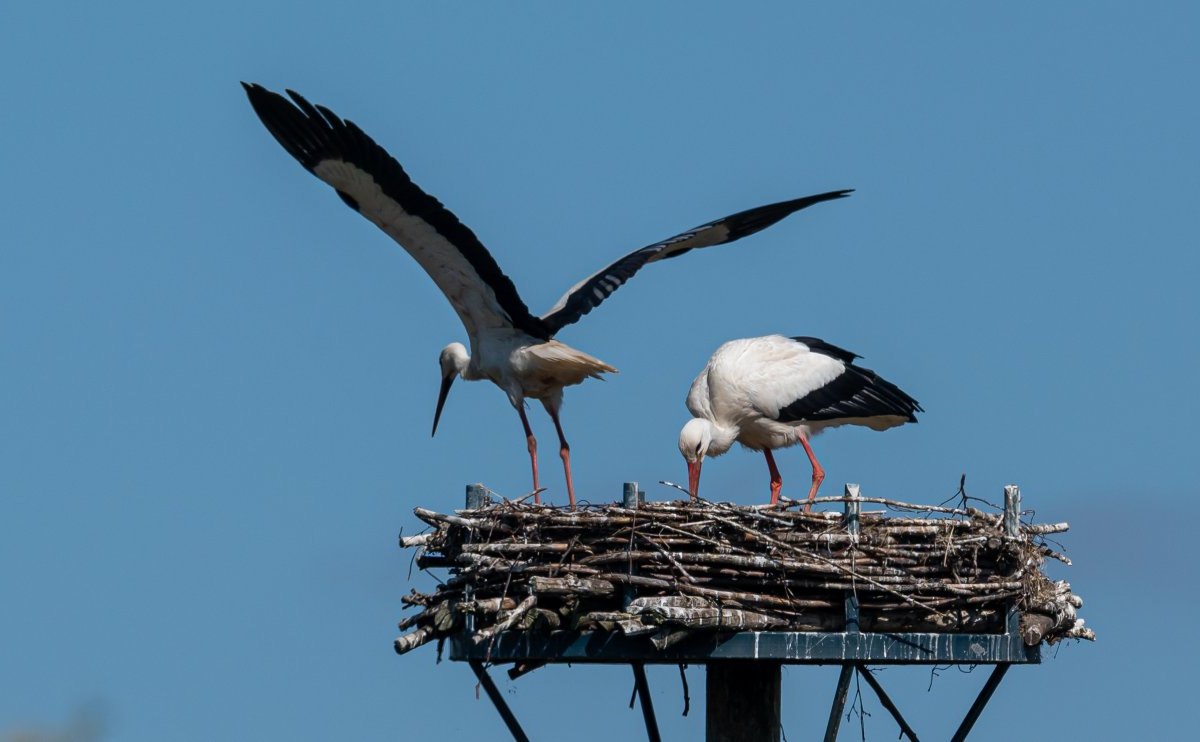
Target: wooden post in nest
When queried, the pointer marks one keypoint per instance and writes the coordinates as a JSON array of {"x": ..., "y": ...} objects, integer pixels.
[
  {"x": 477, "y": 498},
  {"x": 1012, "y": 511},
  {"x": 632, "y": 499},
  {"x": 1012, "y": 529}
]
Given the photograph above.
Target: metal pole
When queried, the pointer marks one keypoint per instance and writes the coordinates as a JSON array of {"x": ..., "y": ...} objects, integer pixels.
[
  {"x": 905, "y": 729},
  {"x": 629, "y": 499},
  {"x": 985, "y": 695},
  {"x": 643, "y": 689},
  {"x": 853, "y": 511},
  {"x": 1012, "y": 529},
  {"x": 742, "y": 701},
  {"x": 477, "y": 496},
  {"x": 1012, "y": 510},
  {"x": 629, "y": 495},
  {"x": 839, "y": 703},
  {"x": 506, "y": 713},
  {"x": 853, "y": 508}
]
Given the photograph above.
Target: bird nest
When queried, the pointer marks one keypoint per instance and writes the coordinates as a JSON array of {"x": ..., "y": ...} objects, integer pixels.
[{"x": 671, "y": 569}]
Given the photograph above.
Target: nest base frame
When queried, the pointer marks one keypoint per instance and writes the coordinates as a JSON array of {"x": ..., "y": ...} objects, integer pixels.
[
  {"x": 763, "y": 653},
  {"x": 766, "y": 652}
]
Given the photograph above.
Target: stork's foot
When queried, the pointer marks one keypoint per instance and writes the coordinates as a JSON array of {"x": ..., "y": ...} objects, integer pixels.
[{"x": 818, "y": 477}]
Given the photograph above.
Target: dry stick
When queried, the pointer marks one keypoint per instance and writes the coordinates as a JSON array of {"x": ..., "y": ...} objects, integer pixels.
[
  {"x": 486, "y": 605},
  {"x": 752, "y": 563},
  {"x": 718, "y": 594},
  {"x": 702, "y": 539},
  {"x": 505, "y": 548},
  {"x": 1044, "y": 528},
  {"x": 1047, "y": 551},
  {"x": 898, "y": 584},
  {"x": 415, "y": 619},
  {"x": 570, "y": 586},
  {"x": 897, "y": 505},
  {"x": 503, "y": 596},
  {"x": 674, "y": 562},
  {"x": 433, "y": 519},
  {"x": 517, "y": 613},
  {"x": 409, "y": 642},
  {"x": 897, "y": 560},
  {"x": 781, "y": 544},
  {"x": 888, "y": 553},
  {"x": 898, "y": 523}
]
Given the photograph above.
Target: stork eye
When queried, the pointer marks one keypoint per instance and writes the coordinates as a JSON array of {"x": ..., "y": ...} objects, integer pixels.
[{"x": 698, "y": 445}]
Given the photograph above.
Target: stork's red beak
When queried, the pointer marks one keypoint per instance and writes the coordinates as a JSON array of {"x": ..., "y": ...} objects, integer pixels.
[
  {"x": 694, "y": 478},
  {"x": 447, "y": 380}
]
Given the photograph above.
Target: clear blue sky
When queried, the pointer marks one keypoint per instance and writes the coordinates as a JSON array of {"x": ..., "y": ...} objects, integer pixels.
[{"x": 217, "y": 382}]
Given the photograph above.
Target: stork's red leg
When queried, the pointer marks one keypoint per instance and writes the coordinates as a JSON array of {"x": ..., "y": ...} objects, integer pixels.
[
  {"x": 564, "y": 451},
  {"x": 818, "y": 472},
  {"x": 776, "y": 480},
  {"x": 532, "y": 443}
]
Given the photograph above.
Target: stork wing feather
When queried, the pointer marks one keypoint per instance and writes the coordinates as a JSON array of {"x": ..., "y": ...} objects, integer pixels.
[
  {"x": 372, "y": 183},
  {"x": 855, "y": 393},
  {"x": 817, "y": 345},
  {"x": 586, "y": 295}
]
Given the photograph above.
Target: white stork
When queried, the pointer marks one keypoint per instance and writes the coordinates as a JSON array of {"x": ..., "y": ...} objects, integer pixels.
[
  {"x": 510, "y": 346},
  {"x": 775, "y": 391}
]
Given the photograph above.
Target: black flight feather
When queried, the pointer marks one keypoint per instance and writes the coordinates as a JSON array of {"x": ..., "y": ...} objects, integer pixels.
[{"x": 856, "y": 392}]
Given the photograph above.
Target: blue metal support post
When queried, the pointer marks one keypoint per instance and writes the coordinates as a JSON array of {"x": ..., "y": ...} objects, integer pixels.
[
  {"x": 493, "y": 693},
  {"x": 839, "y": 703},
  {"x": 905, "y": 729},
  {"x": 985, "y": 695},
  {"x": 643, "y": 689}
]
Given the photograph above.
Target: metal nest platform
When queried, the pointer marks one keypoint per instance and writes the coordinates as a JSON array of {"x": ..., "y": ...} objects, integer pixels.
[
  {"x": 742, "y": 590},
  {"x": 787, "y": 647}
]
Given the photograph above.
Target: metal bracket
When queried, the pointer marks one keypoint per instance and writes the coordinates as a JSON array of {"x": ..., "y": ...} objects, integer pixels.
[
  {"x": 493, "y": 692},
  {"x": 843, "y": 685},
  {"x": 643, "y": 689}
]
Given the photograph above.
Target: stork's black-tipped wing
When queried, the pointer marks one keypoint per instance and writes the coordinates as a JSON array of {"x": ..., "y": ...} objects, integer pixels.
[
  {"x": 372, "y": 183},
  {"x": 817, "y": 345},
  {"x": 586, "y": 295},
  {"x": 855, "y": 393}
]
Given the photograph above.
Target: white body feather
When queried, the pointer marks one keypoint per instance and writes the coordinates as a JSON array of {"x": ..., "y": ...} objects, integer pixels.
[{"x": 748, "y": 381}]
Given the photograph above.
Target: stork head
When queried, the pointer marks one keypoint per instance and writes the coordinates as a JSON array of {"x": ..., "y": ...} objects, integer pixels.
[
  {"x": 453, "y": 361},
  {"x": 694, "y": 440}
]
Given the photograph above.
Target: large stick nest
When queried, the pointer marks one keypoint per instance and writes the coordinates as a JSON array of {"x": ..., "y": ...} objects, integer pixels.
[{"x": 669, "y": 569}]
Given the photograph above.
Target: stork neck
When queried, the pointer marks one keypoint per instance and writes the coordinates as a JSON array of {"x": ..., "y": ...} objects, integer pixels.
[
  {"x": 723, "y": 438},
  {"x": 470, "y": 372},
  {"x": 465, "y": 365}
]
